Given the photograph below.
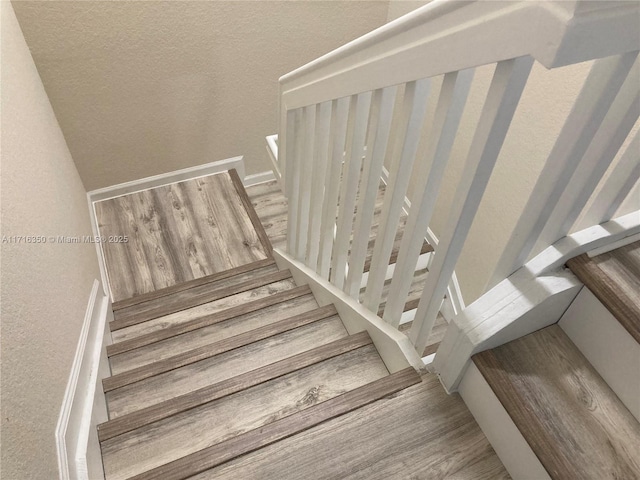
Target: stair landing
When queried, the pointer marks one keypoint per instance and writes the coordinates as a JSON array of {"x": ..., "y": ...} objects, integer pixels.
[{"x": 175, "y": 233}]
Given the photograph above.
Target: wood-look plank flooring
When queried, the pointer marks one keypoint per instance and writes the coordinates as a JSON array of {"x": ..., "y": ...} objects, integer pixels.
[
  {"x": 419, "y": 433},
  {"x": 173, "y": 438},
  {"x": 226, "y": 365},
  {"x": 614, "y": 277},
  {"x": 575, "y": 424},
  {"x": 209, "y": 334},
  {"x": 177, "y": 233}
]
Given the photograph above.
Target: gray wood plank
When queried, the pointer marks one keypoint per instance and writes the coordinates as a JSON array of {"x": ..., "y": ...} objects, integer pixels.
[
  {"x": 209, "y": 279},
  {"x": 613, "y": 278},
  {"x": 191, "y": 377},
  {"x": 418, "y": 433},
  {"x": 154, "y": 413},
  {"x": 205, "y": 314},
  {"x": 250, "y": 441},
  {"x": 176, "y": 233},
  {"x": 172, "y": 438},
  {"x": 207, "y": 351},
  {"x": 188, "y": 299},
  {"x": 575, "y": 424},
  {"x": 209, "y": 334}
]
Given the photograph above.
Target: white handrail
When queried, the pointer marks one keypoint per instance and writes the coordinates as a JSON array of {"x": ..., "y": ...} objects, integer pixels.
[{"x": 333, "y": 117}]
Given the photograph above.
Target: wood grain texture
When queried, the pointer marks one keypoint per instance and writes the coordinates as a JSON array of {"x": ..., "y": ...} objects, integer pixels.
[
  {"x": 167, "y": 330},
  {"x": 154, "y": 413},
  {"x": 209, "y": 279},
  {"x": 176, "y": 233},
  {"x": 614, "y": 277},
  {"x": 207, "y": 351},
  {"x": 251, "y": 409},
  {"x": 573, "y": 421},
  {"x": 223, "y": 366},
  {"x": 205, "y": 309},
  {"x": 253, "y": 216},
  {"x": 418, "y": 433},
  {"x": 254, "y": 439},
  {"x": 210, "y": 334},
  {"x": 189, "y": 298}
]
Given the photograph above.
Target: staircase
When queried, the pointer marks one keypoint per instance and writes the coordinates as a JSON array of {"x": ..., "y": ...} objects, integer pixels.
[
  {"x": 213, "y": 375},
  {"x": 576, "y": 416}
]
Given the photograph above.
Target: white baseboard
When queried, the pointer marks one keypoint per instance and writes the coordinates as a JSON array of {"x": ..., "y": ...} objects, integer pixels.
[
  {"x": 152, "y": 182},
  {"x": 258, "y": 178},
  {"x": 168, "y": 178},
  {"x": 510, "y": 446},
  {"x": 83, "y": 405},
  {"x": 608, "y": 346}
]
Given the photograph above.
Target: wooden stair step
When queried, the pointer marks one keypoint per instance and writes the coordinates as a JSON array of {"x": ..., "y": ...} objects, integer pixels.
[
  {"x": 281, "y": 428},
  {"x": 426, "y": 248},
  {"x": 189, "y": 298},
  {"x": 209, "y": 334},
  {"x": 179, "y": 287},
  {"x": 254, "y": 408},
  {"x": 164, "y": 331},
  {"x": 569, "y": 416},
  {"x": 207, "y": 351},
  {"x": 419, "y": 433},
  {"x": 614, "y": 278},
  {"x": 154, "y": 413},
  {"x": 191, "y": 377}
]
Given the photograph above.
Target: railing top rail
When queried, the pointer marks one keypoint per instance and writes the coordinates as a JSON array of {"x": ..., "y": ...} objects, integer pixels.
[{"x": 448, "y": 35}]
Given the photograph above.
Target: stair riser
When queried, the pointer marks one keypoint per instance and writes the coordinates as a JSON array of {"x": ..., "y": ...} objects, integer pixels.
[{"x": 608, "y": 346}]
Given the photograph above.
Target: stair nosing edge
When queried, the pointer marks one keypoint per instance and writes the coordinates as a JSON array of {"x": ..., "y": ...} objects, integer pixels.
[
  {"x": 130, "y": 422},
  {"x": 291, "y": 323}
]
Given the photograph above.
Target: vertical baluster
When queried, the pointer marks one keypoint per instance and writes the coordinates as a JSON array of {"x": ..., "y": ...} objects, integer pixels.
[
  {"x": 293, "y": 147},
  {"x": 593, "y": 102},
  {"x": 414, "y": 106},
  {"x": 378, "y": 136},
  {"x": 337, "y": 136},
  {"x": 304, "y": 197},
  {"x": 453, "y": 96},
  {"x": 320, "y": 157},
  {"x": 349, "y": 188},
  {"x": 617, "y": 186},
  {"x": 508, "y": 82},
  {"x": 603, "y": 148}
]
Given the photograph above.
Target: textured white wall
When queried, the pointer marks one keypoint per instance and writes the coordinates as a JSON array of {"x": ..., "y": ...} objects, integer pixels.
[
  {"x": 45, "y": 288},
  {"x": 141, "y": 88}
]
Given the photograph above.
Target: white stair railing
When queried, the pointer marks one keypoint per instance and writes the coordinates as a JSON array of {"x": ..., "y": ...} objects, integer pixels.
[{"x": 364, "y": 105}]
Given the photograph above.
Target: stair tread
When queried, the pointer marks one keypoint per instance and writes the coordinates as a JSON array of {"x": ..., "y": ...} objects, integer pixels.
[
  {"x": 191, "y": 298},
  {"x": 173, "y": 438},
  {"x": 216, "y": 348},
  {"x": 254, "y": 439},
  {"x": 204, "y": 315},
  {"x": 193, "y": 376},
  {"x": 216, "y": 278},
  {"x": 146, "y": 416},
  {"x": 614, "y": 277},
  {"x": 417, "y": 433},
  {"x": 209, "y": 334},
  {"x": 572, "y": 420}
]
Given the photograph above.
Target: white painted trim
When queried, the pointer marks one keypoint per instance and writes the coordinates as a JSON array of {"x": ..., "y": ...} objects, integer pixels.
[
  {"x": 272, "y": 151},
  {"x": 608, "y": 346},
  {"x": 168, "y": 178},
  {"x": 258, "y": 178},
  {"x": 453, "y": 302},
  {"x": 83, "y": 405},
  {"x": 507, "y": 441},
  {"x": 613, "y": 245},
  {"x": 395, "y": 349}
]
